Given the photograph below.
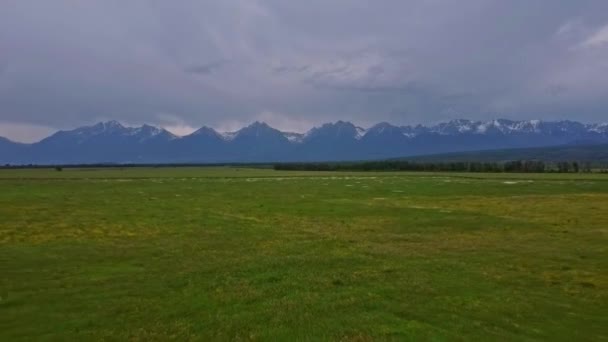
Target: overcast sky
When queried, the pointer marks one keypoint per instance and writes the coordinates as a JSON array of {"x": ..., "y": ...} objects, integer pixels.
[{"x": 183, "y": 64}]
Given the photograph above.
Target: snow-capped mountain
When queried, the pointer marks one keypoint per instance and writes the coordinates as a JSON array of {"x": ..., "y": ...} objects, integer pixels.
[
  {"x": 112, "y": 142},
  {"x": 258, "y": 141},
  {"x": 335, "y": 131},
  {"x": 599, "y": 128},
  {"x": 294, "y": 137},
  {"x": 103, "y": 142},
  {"x": 110, "y": 130}
]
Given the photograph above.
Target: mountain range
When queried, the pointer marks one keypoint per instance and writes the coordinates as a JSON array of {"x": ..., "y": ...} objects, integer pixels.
[{"x": 111, "y": 142}]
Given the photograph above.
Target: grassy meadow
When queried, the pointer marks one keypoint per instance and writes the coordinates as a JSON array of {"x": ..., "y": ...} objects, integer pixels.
[{"x": 254, "y": 254}]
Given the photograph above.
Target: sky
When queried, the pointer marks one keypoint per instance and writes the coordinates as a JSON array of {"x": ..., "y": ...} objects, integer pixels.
[{"x": 295, "y": 64}]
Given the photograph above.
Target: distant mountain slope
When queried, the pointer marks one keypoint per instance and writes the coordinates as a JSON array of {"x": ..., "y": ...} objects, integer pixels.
[
  {"x": 584, "y": 153},
  {"x": 112, "y": 142},
  {"x": 104, "y": 142},
  {"x": 10, "y": 150}
]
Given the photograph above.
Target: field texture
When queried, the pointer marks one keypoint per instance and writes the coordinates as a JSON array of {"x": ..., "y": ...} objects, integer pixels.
[{"x": 237, "y": 254}]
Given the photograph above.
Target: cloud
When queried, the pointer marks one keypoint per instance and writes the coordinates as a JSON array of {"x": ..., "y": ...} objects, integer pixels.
[
  {"x": 599, "y": 38},
  {"x": 24, "y": 132},
  {"x": 222, "y": 63},
  {"x": 206, "y": 68}
]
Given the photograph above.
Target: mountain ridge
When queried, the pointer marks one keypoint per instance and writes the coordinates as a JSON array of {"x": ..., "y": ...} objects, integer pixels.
[
  {"x": 111, "y": 141},
  {"x": 597, "y": 153}
]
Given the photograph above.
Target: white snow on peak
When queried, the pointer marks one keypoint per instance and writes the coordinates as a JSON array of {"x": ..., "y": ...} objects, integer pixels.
[
  {"x": 482, "y": 127},
  {"x": 111, "y": 125},
  {"x": 99, "y": 128},
  {"x": 293, "y": 137},
  {"x": 599, "y": 128},
  {"x": 360, "y": 132},
  {"x": 465, "y": 126},
  {"x": 228, "y": 136},
  {"x": 147, "y": 132},
  {"x": 459, "y": 125}
]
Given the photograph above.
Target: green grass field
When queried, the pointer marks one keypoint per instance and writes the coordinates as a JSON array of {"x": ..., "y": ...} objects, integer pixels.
[{"x": 240, "y": 254}]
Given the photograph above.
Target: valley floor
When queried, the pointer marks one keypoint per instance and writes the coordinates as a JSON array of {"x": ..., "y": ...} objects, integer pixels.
[{"x": 254, "y": 254}]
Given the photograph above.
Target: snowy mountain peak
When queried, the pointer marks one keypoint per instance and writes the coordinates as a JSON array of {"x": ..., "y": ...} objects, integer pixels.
[
  {"x": 257, "y": 128},
  {"x": 146, "y": 132},
  {"x": 454, "y": 126},
  {"x": 108, "y": 127},
  {"x": 257, "y": 133},
  {"x": 336, "y": 130},
  {"x": 383, "y": 128},
  {"x": 360, "y": 132},
  {"x": 294, "y": 137},
  {"x": 149, "y": 130},
  {"x": 599, "y": 128},
  {"x": 113, "y": 124}
]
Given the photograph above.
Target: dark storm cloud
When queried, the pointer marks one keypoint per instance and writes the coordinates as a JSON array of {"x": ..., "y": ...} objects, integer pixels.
[{"x": 225, "y": 63}]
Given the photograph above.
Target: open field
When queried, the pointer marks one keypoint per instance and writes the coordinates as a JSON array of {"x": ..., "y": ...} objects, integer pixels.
[{"x": 254, "y": 254}]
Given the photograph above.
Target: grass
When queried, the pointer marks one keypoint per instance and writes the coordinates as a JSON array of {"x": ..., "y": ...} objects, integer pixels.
[{"x": 245, "y": 254}]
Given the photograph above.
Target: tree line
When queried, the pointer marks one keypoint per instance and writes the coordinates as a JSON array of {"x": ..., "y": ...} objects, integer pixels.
[{"x": 530, "y": 166}]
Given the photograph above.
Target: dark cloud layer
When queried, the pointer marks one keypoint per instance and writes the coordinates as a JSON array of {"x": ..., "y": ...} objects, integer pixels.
[{"x": 297, "y": 63}]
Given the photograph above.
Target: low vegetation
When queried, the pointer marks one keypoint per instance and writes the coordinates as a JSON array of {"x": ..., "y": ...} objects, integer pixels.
[
  {"x": 259, "y": 254},
  {"x": 518, "y": 166}
]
